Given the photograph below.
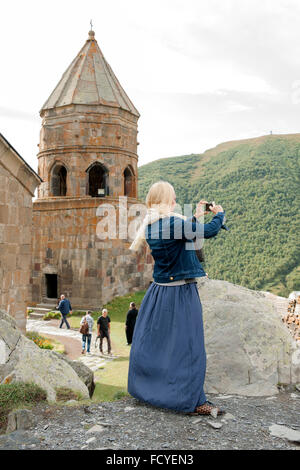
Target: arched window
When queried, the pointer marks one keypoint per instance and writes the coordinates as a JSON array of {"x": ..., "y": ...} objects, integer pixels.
[
  {"x": 97, "y": 180},
  {"x": 129, "y": 182},
  {"x": 59, "y": 180}
]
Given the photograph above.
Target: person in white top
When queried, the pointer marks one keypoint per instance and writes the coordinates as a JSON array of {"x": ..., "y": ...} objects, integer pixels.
[{"x": 87, "y": 337}]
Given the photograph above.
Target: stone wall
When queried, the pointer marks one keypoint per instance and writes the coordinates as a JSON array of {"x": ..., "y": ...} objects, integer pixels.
[
  {"x": 90, "y": 271},
  {"x": 17, "y": 184}
]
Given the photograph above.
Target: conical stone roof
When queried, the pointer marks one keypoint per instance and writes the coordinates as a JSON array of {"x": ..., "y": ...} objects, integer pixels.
[{"x": 89, "y": 80}]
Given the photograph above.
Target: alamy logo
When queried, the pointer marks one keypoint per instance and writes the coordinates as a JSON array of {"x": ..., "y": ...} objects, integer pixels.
[{"x": 123, "y": 222}]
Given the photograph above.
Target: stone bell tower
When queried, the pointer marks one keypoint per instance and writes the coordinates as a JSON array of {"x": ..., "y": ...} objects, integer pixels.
[{"x": 87, "y": 157}]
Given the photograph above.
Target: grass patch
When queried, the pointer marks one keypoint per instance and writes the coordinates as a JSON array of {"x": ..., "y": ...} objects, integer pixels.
[
  {"x": 57, "y": 346},
  {"x": 75, "y": 322},
  {"x": 111, "y": 382},
  {"x": 120, "y": 394},
  {"x": 65, "y": 394},
  {"x": 106, "y": 393},
  {"x": 16, "y": 395}
]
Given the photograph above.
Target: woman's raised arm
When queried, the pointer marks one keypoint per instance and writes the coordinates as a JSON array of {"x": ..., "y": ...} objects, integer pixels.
[{"x": 190, "y": 229}]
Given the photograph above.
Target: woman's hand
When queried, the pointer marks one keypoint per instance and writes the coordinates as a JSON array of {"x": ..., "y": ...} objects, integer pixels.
[
  {"x": 199, "y": 209},
  {"x": 215, "y": 209}
]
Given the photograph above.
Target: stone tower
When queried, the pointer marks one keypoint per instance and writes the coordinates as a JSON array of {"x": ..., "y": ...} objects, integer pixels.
[{"x": 87, "y": 157}]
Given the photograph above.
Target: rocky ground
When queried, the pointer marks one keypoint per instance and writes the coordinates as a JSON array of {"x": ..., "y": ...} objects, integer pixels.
[{"x": 130, "y": 425}]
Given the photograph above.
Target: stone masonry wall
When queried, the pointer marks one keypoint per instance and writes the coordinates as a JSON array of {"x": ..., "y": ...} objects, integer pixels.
[
  {"x": 90, "y": 271},
  {"x": 15, "y": 246}
]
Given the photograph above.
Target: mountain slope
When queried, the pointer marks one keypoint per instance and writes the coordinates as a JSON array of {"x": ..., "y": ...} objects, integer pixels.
[{"x": 257, "y": 182}]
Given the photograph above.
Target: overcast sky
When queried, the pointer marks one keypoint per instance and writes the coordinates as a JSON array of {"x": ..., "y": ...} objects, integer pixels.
[{"x": 200, "y": 72}]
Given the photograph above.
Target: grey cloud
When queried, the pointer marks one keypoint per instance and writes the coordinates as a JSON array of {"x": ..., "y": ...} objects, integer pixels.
[
  {"x": 188, "y": 123},
  {"x": 259, "y": 38},
  {"x": 18, "y": 114}
]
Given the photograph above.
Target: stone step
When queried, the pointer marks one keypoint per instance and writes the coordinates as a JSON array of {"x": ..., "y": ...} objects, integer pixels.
[
  {"x": 36, "y": 315},
  {"x": 40, "y": 310},
  {"x": 49, "y": 306}
]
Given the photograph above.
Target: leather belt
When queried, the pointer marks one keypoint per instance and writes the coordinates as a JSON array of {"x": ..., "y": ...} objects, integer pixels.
[{"x": 181, "y": 282}]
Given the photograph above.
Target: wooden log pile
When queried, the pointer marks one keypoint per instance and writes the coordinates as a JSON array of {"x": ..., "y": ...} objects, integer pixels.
[{"x": 292, "y": 318}]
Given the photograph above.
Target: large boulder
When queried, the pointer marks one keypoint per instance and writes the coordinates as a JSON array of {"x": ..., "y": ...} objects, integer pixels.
[
  {"x": 84, "y": 372},
  {"x": 23, "y": 361},
  {"x": 249, "y": 350}
]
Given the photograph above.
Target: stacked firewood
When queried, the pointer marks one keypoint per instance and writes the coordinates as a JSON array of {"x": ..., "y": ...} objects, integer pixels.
[{"x": 292, "y": 318}]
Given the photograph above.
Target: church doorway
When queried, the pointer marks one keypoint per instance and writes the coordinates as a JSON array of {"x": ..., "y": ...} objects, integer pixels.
[
  {"x": 97, "y": 180},
  {"x": 51, "y": 286}
]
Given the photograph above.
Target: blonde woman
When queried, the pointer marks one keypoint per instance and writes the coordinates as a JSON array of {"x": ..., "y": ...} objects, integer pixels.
[{"x": 167, "y": 359}]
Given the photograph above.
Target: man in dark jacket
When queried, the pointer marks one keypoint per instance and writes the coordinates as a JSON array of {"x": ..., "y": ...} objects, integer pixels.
[
  {"x": 64, "y": 307},
  {"x": 103, "y": 327},
  {"x": 130, "y": 322}
]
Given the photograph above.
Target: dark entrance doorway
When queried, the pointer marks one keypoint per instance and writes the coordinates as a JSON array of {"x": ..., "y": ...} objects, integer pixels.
[{"x": 51, "y": 286}]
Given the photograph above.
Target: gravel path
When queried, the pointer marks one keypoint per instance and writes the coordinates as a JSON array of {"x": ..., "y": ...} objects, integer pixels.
[
  {"x": 72, "y": 340},
  {"x": 131, "y": 425},
  {"x": 71, "y": 345}
]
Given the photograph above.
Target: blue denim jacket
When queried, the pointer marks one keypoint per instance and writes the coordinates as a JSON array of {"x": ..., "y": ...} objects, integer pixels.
[
  {"x": 171, "y": 240},
  {"x": 64, "y": 306}
]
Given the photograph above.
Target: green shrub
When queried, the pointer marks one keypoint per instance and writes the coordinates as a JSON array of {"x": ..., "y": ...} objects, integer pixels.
[
  {"x": 51, "y": 316},
  {"x": 18, "y": 394}
]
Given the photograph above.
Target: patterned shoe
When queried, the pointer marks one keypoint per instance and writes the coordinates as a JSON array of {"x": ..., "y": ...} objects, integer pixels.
[{"x": 206, "y": 409}]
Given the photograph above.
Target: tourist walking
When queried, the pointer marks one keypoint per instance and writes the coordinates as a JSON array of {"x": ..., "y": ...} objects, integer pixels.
[
  {"x": 130, "y": 322},
  {"x": 65, "y": 308},
  {"x": 103, "y": 324},
  {"x": 167, "y": 358},
  {"x": 86, "y": 328}
]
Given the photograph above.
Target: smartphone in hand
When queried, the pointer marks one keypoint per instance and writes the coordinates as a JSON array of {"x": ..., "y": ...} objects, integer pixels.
[{"x": 208, "y": 205}]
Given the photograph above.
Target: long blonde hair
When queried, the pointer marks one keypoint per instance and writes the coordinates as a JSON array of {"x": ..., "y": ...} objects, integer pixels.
[
  {"x": 160, "y": 196},
  {"x": 159, "y": 201}
]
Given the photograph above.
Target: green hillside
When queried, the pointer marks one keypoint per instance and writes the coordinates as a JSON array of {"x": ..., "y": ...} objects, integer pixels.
[{"x": 257, "y": 183}]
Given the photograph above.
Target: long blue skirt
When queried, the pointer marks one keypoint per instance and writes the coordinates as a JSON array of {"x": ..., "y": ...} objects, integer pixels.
[{"x": 167, "y": 359}]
